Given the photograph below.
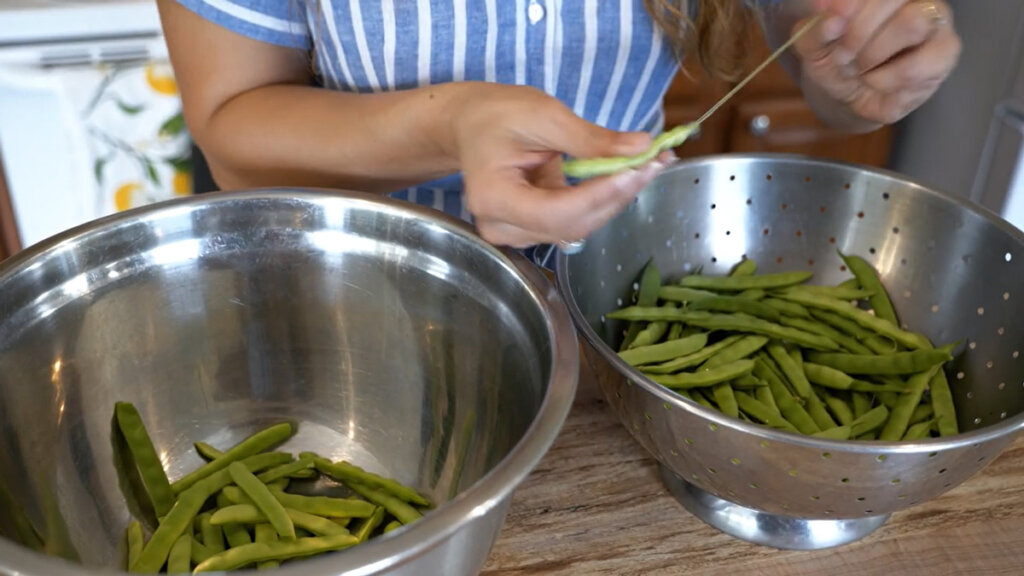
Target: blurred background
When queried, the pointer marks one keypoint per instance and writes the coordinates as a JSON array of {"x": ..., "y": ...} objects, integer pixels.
[{"x": 90, "y": 118}]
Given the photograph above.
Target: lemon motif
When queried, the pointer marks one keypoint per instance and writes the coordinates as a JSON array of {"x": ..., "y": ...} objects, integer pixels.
[
  {"x": 181, "y": 184},
  {"x": 124, "y": 195},
  {"x": 161, "y": 80}
]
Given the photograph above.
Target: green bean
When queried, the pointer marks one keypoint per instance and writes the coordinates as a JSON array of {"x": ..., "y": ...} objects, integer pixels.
[
  {"x": 869, "y": 422},
  {"x": 395, "y": 506},
  {"x": 752, "y": 294},
  {"x": 942, "y": 404},
  {"x": 834, "y": 433},
  {"x": 764, "y": 396},
  {"x": 350, "y": 473},
  {"x": 179, "y": 560},
  {"x": 683, "y": 295},
  {"x": 786, "y": 308},
  {"x": 213, "y": 536},
  {"x": 844, "y": 341},
  {"x": 738, "y": 322},
  {"x": 704, "y": 377},
  {"x": 647, "y": 295},
  {"x": 675, "y": 331},
  {"x": 830, "y": 377},
  {"x": 849, "y": 283},
  {"x": 736, "y": 304},
  {"x": 762, "y": 413},
  {"x": 281, "y": 550},
  {"x": 263, "y": 499},
  {"x": 286, "y": 470},
  {"x": 691, "y": 360},
  {"x": 899, "y": 419},
  {"x": 861, "y": 403},
  {"x": 237, "y": 535},
  {"x": 873, "y": 435},
  {"x": 324, "y": 505},
  {"x": 699, "y": 398},
  {"x": 882, "y": 327},
  {"x": 793, "y": 372},
  {"x": 393, "y": 525},
  {"x": 798, "y": 357},
  {"x": 318, "y": 525},
  {"x": 921, "y": 413},
  {"x": 651, "y": 334},
  {"x": 801, "y": 385},
  {"x": 185, "y": 509},
  {"x": 740, "y": 283},
  {"x": 144, "y": 455},
  {"x": 254, "y": 444},
  {"x": 343, "y": 522},
  {"x": 306, "y": 473},
  {"x": 318, "y": 505},
  {"x": 745, "y": 267},
  {"x": 919, "y": 431},
  {"x": 869, "y": 280},
  {"x": 841, "y": 410},
  {"x": 894, "y": 364},
  {"x": 593, "y": 167},
  {"x": 370, "y": 524},
  {"x": 664, "y": 351},
  {"x": 206, "y": 451},
  {"x": 748, "y": 382},
  {"x": 738, "y": 350},
  {"x": 725, "y": 398},
  {"x": 200, "y": 552},
  {"x": 136, "y": 542},
  {"x": 790, "y": 409},
  {"x": 844, "y": 293},
  {"x": 266, "y": 533},
  {"x": 279, "y": 484}
]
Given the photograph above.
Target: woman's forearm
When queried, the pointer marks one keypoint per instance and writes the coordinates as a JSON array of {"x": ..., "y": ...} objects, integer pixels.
[{"x": 306, "y": 136}]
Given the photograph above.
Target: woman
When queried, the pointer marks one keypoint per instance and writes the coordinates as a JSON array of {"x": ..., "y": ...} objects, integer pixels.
[{"x": 469, "y": 105}]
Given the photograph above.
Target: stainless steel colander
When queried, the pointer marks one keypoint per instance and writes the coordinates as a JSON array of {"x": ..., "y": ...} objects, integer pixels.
[{"x": 954, "y": 271}]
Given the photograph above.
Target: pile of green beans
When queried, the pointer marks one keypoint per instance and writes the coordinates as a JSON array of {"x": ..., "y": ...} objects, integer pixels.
[
  {"x": 776, "y": 350},
  {"x": 235, "y": 511}
]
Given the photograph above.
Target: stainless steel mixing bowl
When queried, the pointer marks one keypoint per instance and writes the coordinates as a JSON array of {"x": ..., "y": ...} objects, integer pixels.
[
  {"x": 393, "y": 336},
  {"x": 954, "y": 272}
]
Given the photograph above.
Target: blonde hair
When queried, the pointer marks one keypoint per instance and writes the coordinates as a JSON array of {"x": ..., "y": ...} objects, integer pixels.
[{"x": 718, "y": 37}]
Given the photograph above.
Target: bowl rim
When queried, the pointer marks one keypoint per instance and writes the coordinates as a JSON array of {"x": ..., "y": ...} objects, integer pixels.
[
  {"x": 1005, "y": 428},
  {"x": 490, "y": 491}
]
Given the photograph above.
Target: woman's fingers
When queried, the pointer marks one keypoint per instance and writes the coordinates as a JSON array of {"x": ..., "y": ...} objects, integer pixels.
[
  {"x": 926, "y": 66},
  {"x": 550, "y": 215},
  {"x": 909, "y": 28},
  {"x": 864, "y": 25}
]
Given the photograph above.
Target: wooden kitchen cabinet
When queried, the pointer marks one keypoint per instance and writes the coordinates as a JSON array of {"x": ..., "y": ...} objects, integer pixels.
[
  {"x": 768, "y": 115},
  {"x": 9, "y": 242}
]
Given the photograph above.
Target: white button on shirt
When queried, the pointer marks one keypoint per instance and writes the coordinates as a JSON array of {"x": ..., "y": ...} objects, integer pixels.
[{"x": 535, "y": 12}]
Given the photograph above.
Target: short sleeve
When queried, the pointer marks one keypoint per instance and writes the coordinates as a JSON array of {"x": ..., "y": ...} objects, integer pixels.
[{"x": 280, "y": 22}]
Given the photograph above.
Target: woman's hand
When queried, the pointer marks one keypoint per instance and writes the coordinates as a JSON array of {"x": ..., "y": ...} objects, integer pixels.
[
  {"x": 878, "y": 59},
  {"x": 508, "y": 141}
]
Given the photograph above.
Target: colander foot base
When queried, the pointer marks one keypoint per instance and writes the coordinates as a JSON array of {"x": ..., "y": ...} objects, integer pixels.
[{"x": 772, "y": 530}]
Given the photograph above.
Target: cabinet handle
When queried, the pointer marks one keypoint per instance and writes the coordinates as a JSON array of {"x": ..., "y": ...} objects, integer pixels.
[{"x": 760, "y": 124}]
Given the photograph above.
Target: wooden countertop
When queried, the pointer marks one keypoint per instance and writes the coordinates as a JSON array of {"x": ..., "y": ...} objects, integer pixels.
[{"x": 595, "y": 505}]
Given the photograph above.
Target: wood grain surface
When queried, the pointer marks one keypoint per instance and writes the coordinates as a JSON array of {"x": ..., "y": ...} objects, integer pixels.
[{"x": 595, "y": 505}]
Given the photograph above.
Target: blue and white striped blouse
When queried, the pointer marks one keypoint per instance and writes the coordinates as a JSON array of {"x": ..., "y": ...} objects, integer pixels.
[{"x": 606, "y": 60}]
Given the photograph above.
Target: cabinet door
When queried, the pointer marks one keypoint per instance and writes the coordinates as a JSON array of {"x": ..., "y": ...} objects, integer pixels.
[
  {"x": 787, "y": 125},
  {"x": 9, "y": 240}
]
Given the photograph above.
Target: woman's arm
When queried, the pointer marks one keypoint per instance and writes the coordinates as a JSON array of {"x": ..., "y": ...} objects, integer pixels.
[
  {"x": 253, "y": 110},
  {"x": 868, "y": 62}
]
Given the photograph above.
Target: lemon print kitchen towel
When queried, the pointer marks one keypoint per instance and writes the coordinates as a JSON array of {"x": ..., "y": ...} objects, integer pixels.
[{"x": 141, "y": 150}]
